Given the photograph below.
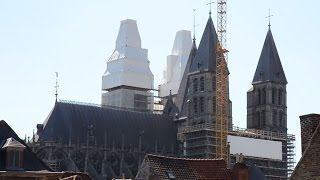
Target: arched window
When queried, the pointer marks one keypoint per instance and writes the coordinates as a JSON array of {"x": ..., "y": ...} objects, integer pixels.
[
  {"x": 195, "y": 105},
  {"x": 274, "y": 118},
  {"x": 195, "y": 84},
  {"x": 280, "y": 96},
  {"x": 264, "y": 118},
  {"x": 280, "y": 118},
  {"x": 258, "y": 119},
  {"x": 264, "y": 96},
  {"x": 202, "y": 83},
  {"x": 274, "y": 91},
  {"x": 201, "y": 104}
]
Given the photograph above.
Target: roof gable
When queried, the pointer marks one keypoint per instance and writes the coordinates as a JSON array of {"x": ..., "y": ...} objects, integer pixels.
[{"x": 269, "y": 67}]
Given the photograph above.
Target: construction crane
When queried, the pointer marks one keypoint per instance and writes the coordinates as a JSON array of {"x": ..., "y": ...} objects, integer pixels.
[{"x": 222, "y": 82}]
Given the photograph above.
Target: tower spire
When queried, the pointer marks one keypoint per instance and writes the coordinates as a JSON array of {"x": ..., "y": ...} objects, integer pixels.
[
  {"x": 269, "y": 16},
  {"x": 56, "y": 86}
]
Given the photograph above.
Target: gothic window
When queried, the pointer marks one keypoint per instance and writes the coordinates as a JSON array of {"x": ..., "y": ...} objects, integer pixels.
[
  {"x": 195, "y": 105},
  {"x": 280, "y": 118},
  {"x": 202, "y": 83},
  {"x": 259, "y": 97},
  {"x": 195, "y": 84},
  {"x": 274, "y": 96},
  {"x": 201, "y": 104},
  {"x": 264, "y": 118},
  {"x": 264, "y": 96},
  {"x": 258, "y": 119},
  {"x": 280, "y": 97},
  {"x": 274, "y": 118}
]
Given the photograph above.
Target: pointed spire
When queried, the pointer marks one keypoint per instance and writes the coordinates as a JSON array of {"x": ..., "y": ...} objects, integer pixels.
[
  {"x": 205, "y": 58},
  {"x": 184, "y": 81},
  {"x": 170, "y": 107},
  {"x": 269, "y": 67}
]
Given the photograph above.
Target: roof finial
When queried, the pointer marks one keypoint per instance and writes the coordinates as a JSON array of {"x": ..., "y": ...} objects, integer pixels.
[
  {"x": 270, "y": 15},
  {"x": 194, "y": 24},
  {"x": 210, "y": 7},
  {"x": 56, "y": 86}
]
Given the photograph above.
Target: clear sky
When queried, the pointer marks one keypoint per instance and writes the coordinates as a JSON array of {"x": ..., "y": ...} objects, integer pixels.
[{"x": 76, "y": 37}]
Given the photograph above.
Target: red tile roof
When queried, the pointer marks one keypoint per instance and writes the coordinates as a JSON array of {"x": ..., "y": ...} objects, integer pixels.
[{"x": 183, "y": 168}]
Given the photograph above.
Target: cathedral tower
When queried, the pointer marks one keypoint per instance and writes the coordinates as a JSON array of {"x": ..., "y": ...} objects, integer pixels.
[
  {"x": 128, "y": 79},
  {"x": 202, "y": 128},
  {"x": 267, "y": 99}
]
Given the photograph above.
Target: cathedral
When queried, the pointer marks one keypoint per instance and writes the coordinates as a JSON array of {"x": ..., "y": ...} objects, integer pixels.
[{"x": 111, "y": 139}]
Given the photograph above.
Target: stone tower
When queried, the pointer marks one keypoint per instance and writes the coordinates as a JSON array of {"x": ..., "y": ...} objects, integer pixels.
[
  {"x": 267, "y": 99},
  {"x": 198, "y": 123},
  {"x": 128, "y": 79}
]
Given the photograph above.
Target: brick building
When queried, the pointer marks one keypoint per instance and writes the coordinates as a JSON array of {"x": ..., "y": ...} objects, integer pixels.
[{"x": 308, "y": 166}]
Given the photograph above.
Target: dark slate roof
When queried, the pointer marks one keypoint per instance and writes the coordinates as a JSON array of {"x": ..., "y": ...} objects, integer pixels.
[
  {"x": 31, "y": 162},
  {"x": 182, "y": 168},
  {"x": 205, "y": 58},
  {"x": 184, "y": 84},
  {"x": 269, "y": 66},
  {"x": 73, "y": 119},
  {"x": 255, "y": 173}
]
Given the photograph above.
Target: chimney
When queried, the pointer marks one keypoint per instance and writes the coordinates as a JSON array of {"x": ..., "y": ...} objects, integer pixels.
[{"x": 308, "y": 124}]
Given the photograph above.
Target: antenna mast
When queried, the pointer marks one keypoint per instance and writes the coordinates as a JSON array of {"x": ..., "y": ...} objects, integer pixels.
[{"x": 56, "y": 86}]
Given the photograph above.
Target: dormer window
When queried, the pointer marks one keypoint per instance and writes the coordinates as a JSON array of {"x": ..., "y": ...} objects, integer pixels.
[
  {"x": 171, "y": 175},
  {"x": 14, "y": 154}
]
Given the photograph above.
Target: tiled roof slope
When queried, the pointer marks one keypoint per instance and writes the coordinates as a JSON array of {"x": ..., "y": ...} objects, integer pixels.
[
  {"x": 187, "y": 169},
  {"x": 73, "y": 119},
  {"x": 308, "y": 166},
  {"x": 269, "y": 66},
  {"x": 31, "y": 162}
]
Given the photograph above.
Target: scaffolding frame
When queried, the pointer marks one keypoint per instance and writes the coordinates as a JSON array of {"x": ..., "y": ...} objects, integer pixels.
[
  {"x": 287, "y": 139},
  {"x": 222, "y": 82}
]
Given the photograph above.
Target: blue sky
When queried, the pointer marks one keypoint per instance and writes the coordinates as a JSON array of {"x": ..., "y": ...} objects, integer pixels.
[{"x": 76, "y": 37}]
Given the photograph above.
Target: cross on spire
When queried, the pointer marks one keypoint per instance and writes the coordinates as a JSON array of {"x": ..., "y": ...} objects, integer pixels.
[
  {"x": 56, "y": 86},
  {"x": 270, "y": 15},
  {"x": 210, "y": 6}
]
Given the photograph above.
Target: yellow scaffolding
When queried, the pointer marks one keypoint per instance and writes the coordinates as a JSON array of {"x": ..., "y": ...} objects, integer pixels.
[{"x": 222, "y": 82}]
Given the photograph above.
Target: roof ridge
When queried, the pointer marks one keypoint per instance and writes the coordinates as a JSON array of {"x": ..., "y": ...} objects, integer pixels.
[
  {"x": 184, "y": 158},
  {"x": 103, "y": 106}
]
